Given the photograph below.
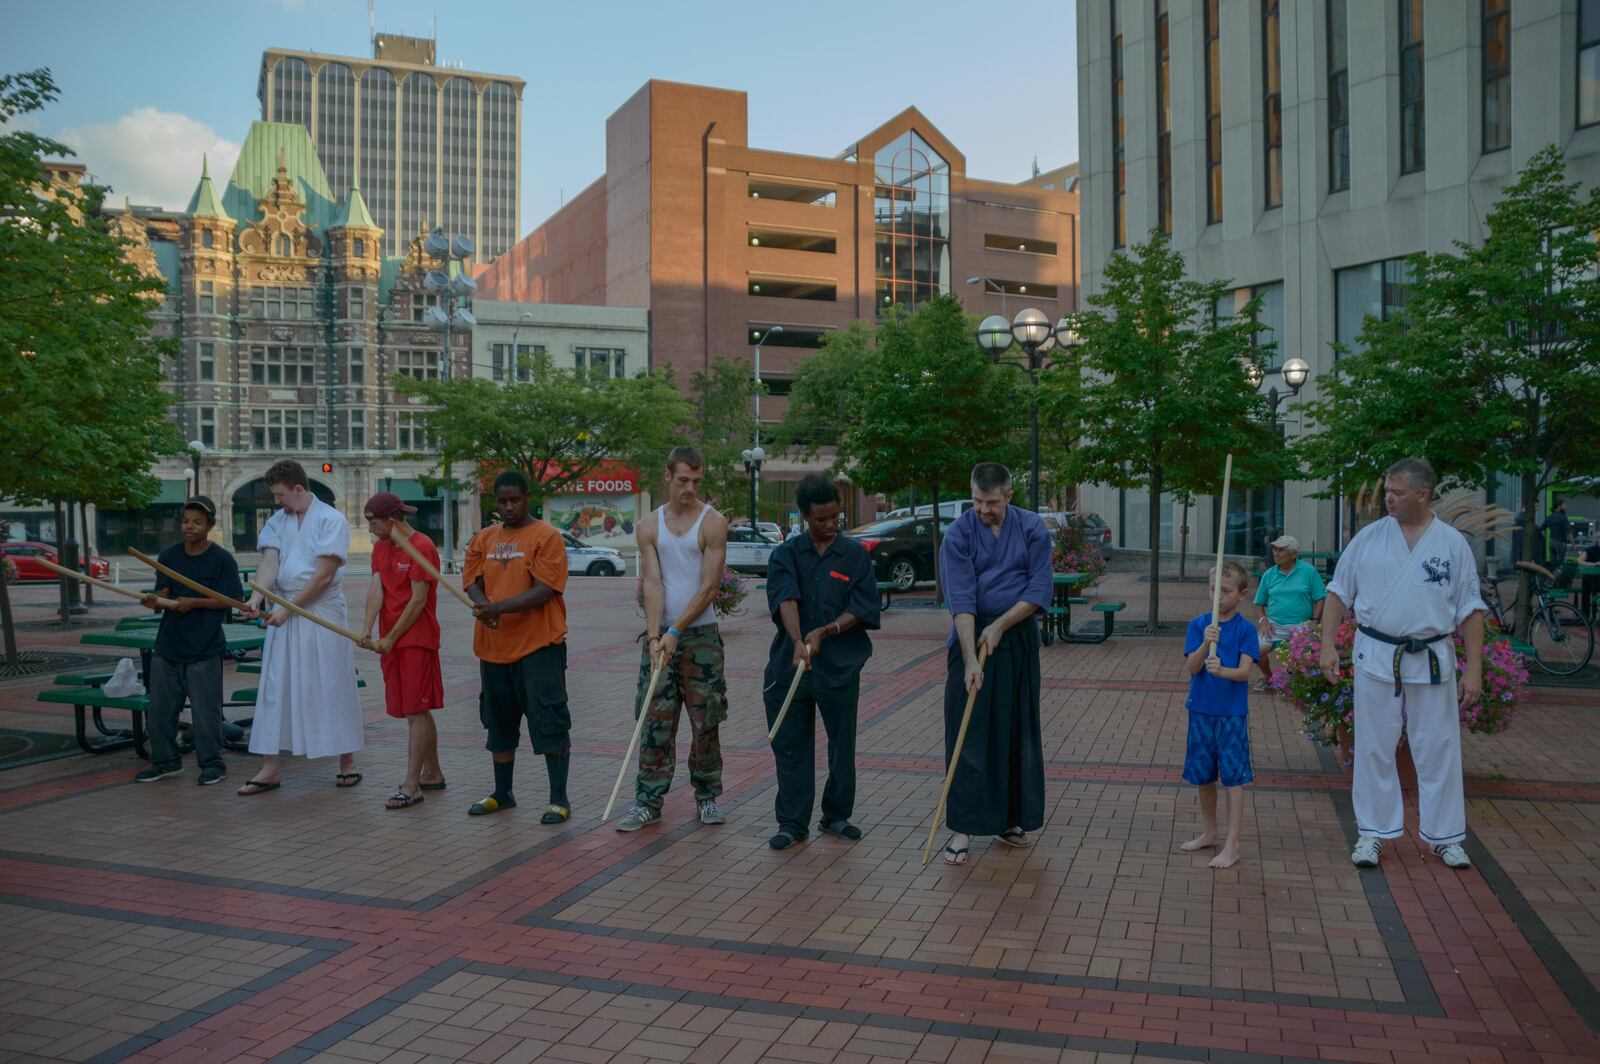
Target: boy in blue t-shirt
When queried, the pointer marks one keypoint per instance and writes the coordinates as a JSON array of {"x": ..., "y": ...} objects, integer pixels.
[{"x": 1219, "y": 654}]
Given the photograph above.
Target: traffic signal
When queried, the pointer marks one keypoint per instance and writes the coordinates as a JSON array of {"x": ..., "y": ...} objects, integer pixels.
[{"x": 327, "y": 467}]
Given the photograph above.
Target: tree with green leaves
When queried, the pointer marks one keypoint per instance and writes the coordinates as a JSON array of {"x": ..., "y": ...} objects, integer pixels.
[
  {"x": 819, "y": 396},
  {"x": 80, "y": 372},
  {"x": 723, "y": 426},
  {"x": 557, "y": 427},
  {"x": 1165, "y": 394},
  {"x": 1493, "y": 365}
]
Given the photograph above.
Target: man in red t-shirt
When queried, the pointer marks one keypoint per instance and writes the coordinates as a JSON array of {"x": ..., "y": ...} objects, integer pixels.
[{"x": 404, "y": 601}]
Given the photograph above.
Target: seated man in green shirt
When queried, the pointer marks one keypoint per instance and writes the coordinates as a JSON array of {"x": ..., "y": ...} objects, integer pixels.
[{"x": 1290, "y": 594}]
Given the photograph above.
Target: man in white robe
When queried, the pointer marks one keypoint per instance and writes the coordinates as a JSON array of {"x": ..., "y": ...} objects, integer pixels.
[
  {"x": 1412, "y": 582},
  {"x": 307, "y": 702}
]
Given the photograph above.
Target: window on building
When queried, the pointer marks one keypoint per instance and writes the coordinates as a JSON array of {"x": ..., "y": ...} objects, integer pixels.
[
  {"x": 1271, "y": 105},
  {"x": 420, "y": 365},
  {"x": 412, "y": 431},
  {"x": 358, "y": 429},
  {"x": 1213, "y": 64},
  {"x": 283, "y": 365},
  {"x": 498, "y": 356},
  {"x": 420, "y": 302},
  {"x": 360, "y": 247},
  {"x": 207, "y": 238},
  {"x": 1588, "y": 62},
  {"x": 208, "y": 362},
  {"x": 288, "y": 430},
  {"x": 306, "y": 300},
  {"x": 1026, "y": 244},
  {"x": 1022, "y": 288},
  {"x": 208, "y": 426},
  {"x": 791, "y": 240},
  {"x": 791, "y": 336},
  {"x": 1119, "y": 133},
  {"x": 778, "y": 288},
  {"x": 358, "y": 366},
  {"x": 600, "y": 361},
  {"x": 1376, "y": 290},
  {"x": 1338, "y": 96},
  {"x": 1413, "y": 142},
  {"x": 1163, "y": 117},
  {"x": 358, "y": 304},
  {"x": 208, "y": 297},
  {"x": 1269, "y": 315},
  {"x": 911, "y": 228},
  {"x": 283, "y": 246},
  {"x": 525, "y": 353},
  {"x": 771, "y": 188},
  {"x": 1496, "y": 75}
]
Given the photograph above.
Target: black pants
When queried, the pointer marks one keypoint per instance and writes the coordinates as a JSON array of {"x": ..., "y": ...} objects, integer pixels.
[
  {"x": 999, "y": 783},
  {"x": 534, "y": 687},
  {"x": 795, "y": 742},
  {"x": 170, "y": 683}
]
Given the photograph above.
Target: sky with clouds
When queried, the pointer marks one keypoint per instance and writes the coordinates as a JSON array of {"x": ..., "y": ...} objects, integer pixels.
[{"x": 147, "y": 88}]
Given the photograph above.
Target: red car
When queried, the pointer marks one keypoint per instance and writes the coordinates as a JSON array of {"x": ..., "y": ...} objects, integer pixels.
[{"x": 24, "y": 554}]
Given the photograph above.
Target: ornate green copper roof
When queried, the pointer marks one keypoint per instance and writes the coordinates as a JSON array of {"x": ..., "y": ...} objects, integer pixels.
[
  {"x": 205, "y": 203},
  {"x": 354, "y": 209},
  {"x": 257, "y": 168}
]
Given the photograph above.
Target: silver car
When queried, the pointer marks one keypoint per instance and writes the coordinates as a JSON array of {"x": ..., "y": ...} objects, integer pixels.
[
  {"x": 748, "y": 551},
  {"x": 585, "y": 560}
]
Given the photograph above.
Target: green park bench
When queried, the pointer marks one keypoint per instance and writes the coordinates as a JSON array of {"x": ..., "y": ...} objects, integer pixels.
[
  {"x": 87, "y": 699},
  {"x": 885, "y": 594}
]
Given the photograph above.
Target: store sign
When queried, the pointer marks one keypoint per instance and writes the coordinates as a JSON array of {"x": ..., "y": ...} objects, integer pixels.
[{"x": 609, "y": 478}]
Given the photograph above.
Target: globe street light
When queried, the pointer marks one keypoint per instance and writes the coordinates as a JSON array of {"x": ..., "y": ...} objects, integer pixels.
[
  {"x": 753, "y": 457},
  {"x": 448, "y": 286},
  {"x": 1030, "y": 330},
  {"x": 197, "y": 450},
  {"x": 388, "y": 478}
]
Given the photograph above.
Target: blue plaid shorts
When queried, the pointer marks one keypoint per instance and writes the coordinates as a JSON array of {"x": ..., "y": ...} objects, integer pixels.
[{"x": 1218, "y": 746}]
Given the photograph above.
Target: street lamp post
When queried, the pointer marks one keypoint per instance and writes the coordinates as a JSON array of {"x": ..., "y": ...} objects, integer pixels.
[
  {"x": 1296, "y": 372},
  {"x": 754, "y": 456},
  {"x": 388, "y": 478},
  {"x": 449, "y": 286},
  {"x": 998, "y": 288},
  {"x": 197, "y": 451},
  {"x": 514, "y": 365},
  {"x": 1031, "y": 331}
]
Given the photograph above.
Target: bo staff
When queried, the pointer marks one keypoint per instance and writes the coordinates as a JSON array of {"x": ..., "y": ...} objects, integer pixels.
[
  {"x": 426, "y": 566},
  {"x": 307, "y": 614},
  {"x": 794, "y": 685},
  {"x": 955, "y": 759},
  {"x": 1222, "y": 530},
  {"x": 638, "y": 728},
  {"x": 164, "y": 603},
  {"x": 192, "y": 585}
]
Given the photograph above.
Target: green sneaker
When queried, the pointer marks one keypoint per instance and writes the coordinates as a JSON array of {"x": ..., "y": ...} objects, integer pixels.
[{"x": 638, "y": 816}]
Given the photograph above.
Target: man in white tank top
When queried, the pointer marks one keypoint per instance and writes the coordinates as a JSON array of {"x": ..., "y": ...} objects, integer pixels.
[{"x": 683, "y": 548}]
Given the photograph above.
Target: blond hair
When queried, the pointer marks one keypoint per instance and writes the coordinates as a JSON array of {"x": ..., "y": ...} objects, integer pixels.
[{"x": 1236, "y": 572}]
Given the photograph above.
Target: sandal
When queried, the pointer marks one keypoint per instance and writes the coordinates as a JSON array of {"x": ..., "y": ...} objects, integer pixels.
[
  {"x": 353, "y": 777},
  {"x": 258, "y": 787},
  {"x": 401, "y": 800},
  {"x": 784, "y": 839},
  {"x": 434, "y": 786},
  {"x": 1015, "y": 838},
  {"x": 491, "y": 804},
  {"x": 954, "y": 856},
  {"x": 555, "y": 814},
  {"x": 841, "y": 829}
]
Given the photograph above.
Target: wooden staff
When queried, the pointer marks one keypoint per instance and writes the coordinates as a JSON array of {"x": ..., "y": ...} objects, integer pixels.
[
  {"x": 794, "y": 685},
  {"x": 955, "y": 759},
  {"x": 164, "y": 603},
  {"x": 426, "y": 566},
  {"x": 307, "y": 614},
  {"x": 1222, "y": 531},
  {"x": 633, "y": 743},
  {"x": 193, "y": 585}
]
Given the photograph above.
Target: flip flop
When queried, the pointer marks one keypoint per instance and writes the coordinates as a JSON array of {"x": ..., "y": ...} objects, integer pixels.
[
  {"x": 491, "y": 804},
  {"x": 784, "y": 839},
  {"x": 353, "y": 777},
  {"x": 258, "y": 788},
  {"x": 1015, "y": 838},
  {"x": 405, "y": 800},
  {"x": 842, "y": 829},
  {"x": 434, "y": 786},
  {"x": 953, "y": 856},
  {"x": 555, "y": 814}
]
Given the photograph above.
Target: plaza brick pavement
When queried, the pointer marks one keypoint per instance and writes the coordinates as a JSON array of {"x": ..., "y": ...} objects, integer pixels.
[{"x": 170, "y": 922}]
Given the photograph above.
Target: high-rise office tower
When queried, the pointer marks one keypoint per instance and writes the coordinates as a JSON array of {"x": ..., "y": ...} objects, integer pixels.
[{"x": 435, "y": 145}]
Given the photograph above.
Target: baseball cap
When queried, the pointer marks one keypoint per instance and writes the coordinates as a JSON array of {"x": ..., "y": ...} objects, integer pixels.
[
  {"x": 201, "y": 502},
  {"x": 386, "y": 505},
  {"x": 1286, "y": 543}
]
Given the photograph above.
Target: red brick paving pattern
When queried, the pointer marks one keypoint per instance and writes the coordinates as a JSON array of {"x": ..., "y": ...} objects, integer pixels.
[{"x": 1101, "y": 932}]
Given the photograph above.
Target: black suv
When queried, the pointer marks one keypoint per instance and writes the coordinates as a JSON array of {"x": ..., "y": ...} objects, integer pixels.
[{"x": 901, "y": 549}]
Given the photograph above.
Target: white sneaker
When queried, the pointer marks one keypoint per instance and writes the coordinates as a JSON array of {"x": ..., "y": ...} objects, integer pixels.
[
  {"x": 709, "y": 813},
  {"x": 638, "y": 816},
  {"x": 1453, "y": 855},
  {"x": 1367, "y": 851}
]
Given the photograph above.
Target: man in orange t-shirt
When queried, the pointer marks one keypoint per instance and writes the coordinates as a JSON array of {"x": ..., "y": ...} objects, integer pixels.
[
  {"x": 403, "y": 600},
  {"x": 516, "y": 571}
]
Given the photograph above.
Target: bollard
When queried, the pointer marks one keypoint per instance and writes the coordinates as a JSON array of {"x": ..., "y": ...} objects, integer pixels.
[{"x": 116, "y": 573}]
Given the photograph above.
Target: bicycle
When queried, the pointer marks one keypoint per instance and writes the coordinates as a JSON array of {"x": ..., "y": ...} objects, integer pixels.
[{"x": 1559, "y": 636}]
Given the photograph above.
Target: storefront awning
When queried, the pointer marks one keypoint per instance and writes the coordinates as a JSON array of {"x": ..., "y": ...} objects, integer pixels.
[
  {"x": 411, "y": 490},
  {"x": 173, "y": 493}
]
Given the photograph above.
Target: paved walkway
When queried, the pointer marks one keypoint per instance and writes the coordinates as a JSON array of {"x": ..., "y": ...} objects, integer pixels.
[{"x": 166, "y": 921}]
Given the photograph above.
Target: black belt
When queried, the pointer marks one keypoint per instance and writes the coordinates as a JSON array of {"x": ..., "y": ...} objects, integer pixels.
[{"x": 1407, "y": 645}]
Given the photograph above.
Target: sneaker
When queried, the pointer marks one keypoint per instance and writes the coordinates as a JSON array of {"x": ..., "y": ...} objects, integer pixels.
[
  {"x": 639, "y": 816},
  {"x": 709, "y": 813},
  {"x": 208, "y": 776},
  {"x": 1366, "y": 853},
  {"x": 1262, "y": 686},
  {"x": 160, "y": 772},
  {"x": 1453, "y": 855}
]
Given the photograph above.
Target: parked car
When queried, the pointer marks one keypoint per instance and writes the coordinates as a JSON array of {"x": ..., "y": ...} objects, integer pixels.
[
  {"x": 24, "y": 554},
  {"x": 768, "y": 529},
  {"x": 1096, "y": 533},
  {"x": 748, "y": 551},
  {"x": 950, "y": 508},
  {"x": 901, "y": 549},
  {"x": 593, "y": 561}
]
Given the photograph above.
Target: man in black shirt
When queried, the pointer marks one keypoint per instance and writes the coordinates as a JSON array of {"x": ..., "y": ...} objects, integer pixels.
[
  {"x": 823, "y": 596},
  {"x": 188, "y": 657}
]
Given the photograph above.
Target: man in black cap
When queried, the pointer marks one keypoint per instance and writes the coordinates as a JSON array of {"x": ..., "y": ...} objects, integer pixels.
[{"x": 187, "y": 662}]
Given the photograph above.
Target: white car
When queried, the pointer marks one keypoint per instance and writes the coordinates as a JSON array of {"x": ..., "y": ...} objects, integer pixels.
[
  {"x": 585, "y": 560},
  {"x": 748, "y": 551}
]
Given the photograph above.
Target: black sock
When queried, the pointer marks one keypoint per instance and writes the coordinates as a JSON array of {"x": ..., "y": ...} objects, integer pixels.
[
  {"x": 557, "y": 765},
  {"x": 502, "y": 779}
]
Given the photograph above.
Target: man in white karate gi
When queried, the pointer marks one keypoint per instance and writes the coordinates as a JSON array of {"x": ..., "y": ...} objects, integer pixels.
[
  {"x": 307, "y": 703},
  {"x": 1411, "y": 581}
]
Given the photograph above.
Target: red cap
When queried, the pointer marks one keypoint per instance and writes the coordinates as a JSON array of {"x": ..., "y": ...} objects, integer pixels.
[{"x": 386, "y": 505}]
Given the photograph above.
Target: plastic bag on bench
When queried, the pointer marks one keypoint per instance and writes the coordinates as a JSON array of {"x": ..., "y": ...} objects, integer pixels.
[{"x": 124, "y": 682}]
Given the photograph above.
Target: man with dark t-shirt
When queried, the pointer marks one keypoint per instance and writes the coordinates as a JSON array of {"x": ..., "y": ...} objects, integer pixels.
[{"x": 187, "y": 662}]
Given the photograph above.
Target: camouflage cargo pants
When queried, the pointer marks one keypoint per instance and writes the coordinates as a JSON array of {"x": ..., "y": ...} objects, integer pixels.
[{"x": 693, "y": 680}]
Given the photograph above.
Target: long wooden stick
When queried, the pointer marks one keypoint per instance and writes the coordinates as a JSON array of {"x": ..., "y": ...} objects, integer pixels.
[
  {"x": 193, "y": 585},
  {"x": 1222, "y": 531},
  {"x": 426, "y": 566},
  {"x": 164, "y": 603},
  {"x": 633, "y": 743},
  {"x": 955, "y": 759},
  {"x": 794, "y": 685},
  {"x": 307, "y": 614}
]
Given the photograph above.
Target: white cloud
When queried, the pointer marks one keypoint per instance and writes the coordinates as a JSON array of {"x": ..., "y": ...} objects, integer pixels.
[{"x": 151, "y": 156}]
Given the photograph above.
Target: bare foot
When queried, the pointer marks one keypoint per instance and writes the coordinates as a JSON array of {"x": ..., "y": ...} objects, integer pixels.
[
  {"x": 1227, "y": 857},
  {"x": 1200, "y": 842}
]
